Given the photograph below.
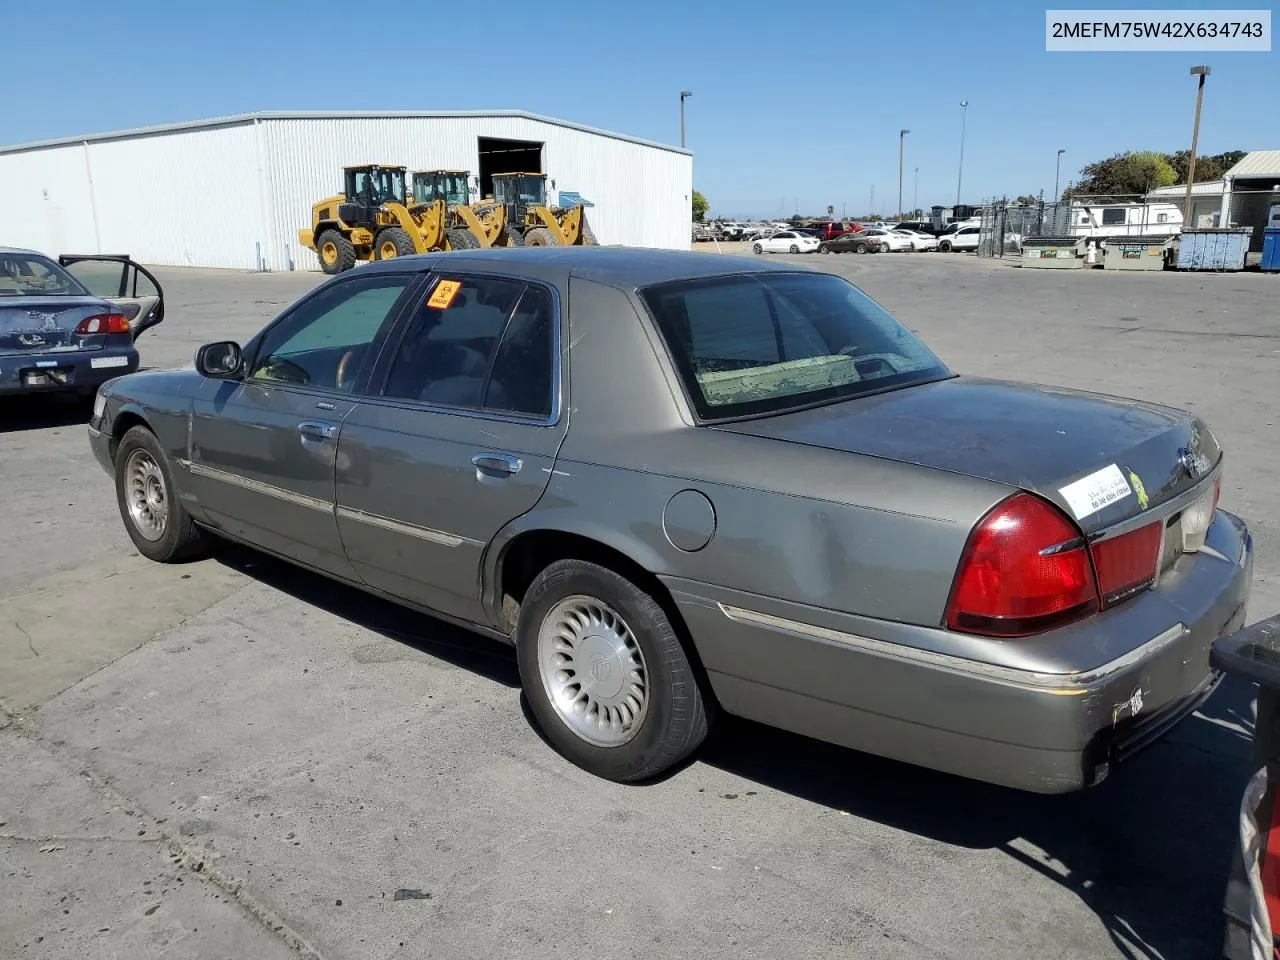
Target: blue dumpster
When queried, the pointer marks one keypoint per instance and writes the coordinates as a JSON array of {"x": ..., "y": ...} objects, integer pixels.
[
  {"x": 1271, "y": 249},
  {"x": 1213, "y": 248}
]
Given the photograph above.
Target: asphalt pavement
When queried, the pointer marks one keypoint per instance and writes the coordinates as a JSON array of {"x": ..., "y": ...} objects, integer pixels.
[{"x": 234, "y": 758}]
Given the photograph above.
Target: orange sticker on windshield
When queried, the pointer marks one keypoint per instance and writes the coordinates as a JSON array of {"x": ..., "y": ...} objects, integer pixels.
[{"x": 444, "y": 293}]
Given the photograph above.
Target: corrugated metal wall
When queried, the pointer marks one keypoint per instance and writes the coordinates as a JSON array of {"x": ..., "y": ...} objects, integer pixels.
[
  {"x": 641, "y": 194},
  {"x": 184, "y": 199},
  {"x": 210, "y": 196}
]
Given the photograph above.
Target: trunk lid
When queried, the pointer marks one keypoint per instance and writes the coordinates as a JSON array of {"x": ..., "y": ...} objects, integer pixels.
[
  {"x": 1101, "y": 459},
  {"x": 44, "y": 324}
]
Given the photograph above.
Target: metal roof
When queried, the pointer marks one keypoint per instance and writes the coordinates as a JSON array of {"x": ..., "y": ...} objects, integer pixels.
[
  {"x": 242, "y": 118},
  {"x": 1204, "y": 188},
  {"x": 1259, "y": 163}
]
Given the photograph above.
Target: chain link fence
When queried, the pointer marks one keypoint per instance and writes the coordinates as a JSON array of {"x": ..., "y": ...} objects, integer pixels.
[{"x": 1006, "y": 223}]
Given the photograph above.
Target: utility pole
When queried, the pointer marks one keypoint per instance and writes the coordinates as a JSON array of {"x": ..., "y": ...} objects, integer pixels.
[
  {"x": 964, "y": 116},
  {"x": 915, "y": 193},
  {"x": 684, "y": 95},
  {"x": 902, "y": 136},
  {"x": 1057, "y": 168},
  {"x": 1201, "y": 72}
]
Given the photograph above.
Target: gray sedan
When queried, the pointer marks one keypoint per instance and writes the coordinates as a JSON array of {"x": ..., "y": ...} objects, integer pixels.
[
  {"x": 683, "y": 484},
  {"x": 69, "y": 326}
]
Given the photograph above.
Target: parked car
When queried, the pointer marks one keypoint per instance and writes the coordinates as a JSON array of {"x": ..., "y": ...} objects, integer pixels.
[
  {"x": 850, "y": 243},
  {"x": 69, "y": 326},
  {"x": 919, "y": 241},
  {"x": 966, "y": 238},
  {"x": 767, "y": 498},
  {"x": 829, "y": 230},
  {"x": 919, "y": 226},
  {"x": 886, "y": 241},
  {"x": 786, "y": 241}
]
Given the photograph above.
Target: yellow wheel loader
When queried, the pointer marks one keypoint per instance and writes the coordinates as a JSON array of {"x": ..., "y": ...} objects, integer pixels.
[
  {"x": 373, "y": 220},
  {"x": 466, "y": 227},
  {"x": 523, "y": 199}
]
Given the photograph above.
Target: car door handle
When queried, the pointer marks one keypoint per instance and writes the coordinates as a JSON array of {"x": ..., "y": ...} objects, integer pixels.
[
  {"x": 315, "y": 430},
  {"x": 497, "y": 464}
]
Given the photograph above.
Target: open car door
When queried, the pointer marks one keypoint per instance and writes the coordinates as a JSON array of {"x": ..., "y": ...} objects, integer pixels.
[{"x": 128, "y": 285}]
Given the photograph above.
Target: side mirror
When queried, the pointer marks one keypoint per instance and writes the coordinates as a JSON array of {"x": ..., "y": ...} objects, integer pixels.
[{"x": 222, "y": 360}]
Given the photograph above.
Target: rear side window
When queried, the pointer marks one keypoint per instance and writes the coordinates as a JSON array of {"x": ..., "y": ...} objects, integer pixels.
[
  {"x": 1113, "y": 215},
  {"x": 766, "y": 342},
  {"x": 479, "y": 343}
]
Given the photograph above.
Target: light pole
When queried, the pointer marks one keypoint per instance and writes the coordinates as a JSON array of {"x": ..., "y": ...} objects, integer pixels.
[
  {"x": 684, "y": 94},
  {"x": 964, "y": 116},
  {"x": 915, "y": 193},
  {"x": 902, "y": 136},
  {"x": 1057, "y": 168},
  {"x": 1201, "y": 72}
]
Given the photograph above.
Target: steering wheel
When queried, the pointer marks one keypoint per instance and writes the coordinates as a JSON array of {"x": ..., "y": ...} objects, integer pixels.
[{"x": 346, "y": 368}]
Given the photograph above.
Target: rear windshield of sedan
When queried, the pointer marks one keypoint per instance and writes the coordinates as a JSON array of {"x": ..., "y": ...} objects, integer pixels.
[
  {"x": 761, "y": 343},
  {"x": 26, "y": 275}
]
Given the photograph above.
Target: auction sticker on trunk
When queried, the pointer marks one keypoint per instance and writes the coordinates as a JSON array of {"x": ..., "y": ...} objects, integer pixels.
[{"x": 1090, "y": 494}]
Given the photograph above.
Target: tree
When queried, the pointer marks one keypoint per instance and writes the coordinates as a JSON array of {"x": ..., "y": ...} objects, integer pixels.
[
  {"x": 1127, "y": 174},
  {"x": 1207, "y": 167},
  {"x": 1027, "y": 200},
  {"x": 700, "y": 207}
]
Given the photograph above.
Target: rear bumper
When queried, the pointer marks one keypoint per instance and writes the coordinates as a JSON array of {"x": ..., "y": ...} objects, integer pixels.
[
  {"x": 70, "y": 370},
  {"x": 1045, "y": 731}
]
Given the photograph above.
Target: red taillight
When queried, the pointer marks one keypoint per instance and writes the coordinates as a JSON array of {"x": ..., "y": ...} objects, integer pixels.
[
  {"x": 1024, "y": 569},
  {"x": 1127, "y": 563},
  {"x": 103, "y": 323}
]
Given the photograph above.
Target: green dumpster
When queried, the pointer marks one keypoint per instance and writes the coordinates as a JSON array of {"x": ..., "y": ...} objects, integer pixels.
[
  {"x": 1137, "y": 253},
  {"x": 1053, "y": 253}
]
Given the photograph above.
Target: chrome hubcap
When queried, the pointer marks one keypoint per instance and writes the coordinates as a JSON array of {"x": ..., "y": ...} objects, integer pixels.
[
  {"x": 593, "y": 671},
  {"x": 145, "y": 495}
]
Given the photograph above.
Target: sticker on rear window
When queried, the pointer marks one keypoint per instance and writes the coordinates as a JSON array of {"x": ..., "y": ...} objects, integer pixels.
[
  {"x": 444, "y": 293},
  {"x": 1090, "y": 494}
]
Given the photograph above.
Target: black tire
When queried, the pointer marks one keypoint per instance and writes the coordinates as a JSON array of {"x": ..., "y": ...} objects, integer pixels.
[
  {"x": 795, "y": 248},
  {"x": 945, "y": 246},
  {"x": 461, "y": 239},
  {"x": 823, "y": 248},
  {"x": 515, "y": 237},
  {"x": 181, "y": 538},
  {"x": 884, "y": 248},
  {"x": 392, "y": 242},
  {"x": 756, "y": 248},
  {"x": 341, "y": 257},
  {"x": 541, "y": 237},
  {"x": 861, "y": 247},
  {"x": 677, "y": 715}
]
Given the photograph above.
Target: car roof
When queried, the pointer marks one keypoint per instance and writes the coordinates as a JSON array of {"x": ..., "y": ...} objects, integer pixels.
[
  {"x": 625, "y": 267},
  {"x": 23, "y": 250}
]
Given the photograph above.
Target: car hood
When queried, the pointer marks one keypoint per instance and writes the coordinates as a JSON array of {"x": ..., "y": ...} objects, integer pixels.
[
  {"x": 1036, "y": 438},
  {"x": 33, "y": 324}
]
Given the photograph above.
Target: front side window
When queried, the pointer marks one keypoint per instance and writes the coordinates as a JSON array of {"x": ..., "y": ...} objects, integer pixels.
[
  {"x": 1112, "y": 216},
  {"x": 328, "y": 342},
  {"x": 766, "y": 342}
]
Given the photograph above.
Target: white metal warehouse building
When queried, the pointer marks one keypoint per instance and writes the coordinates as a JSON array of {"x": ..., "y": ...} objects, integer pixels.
[{"x": 234, "y": 191}]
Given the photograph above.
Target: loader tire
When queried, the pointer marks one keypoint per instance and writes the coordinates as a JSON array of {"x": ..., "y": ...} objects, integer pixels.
[
  {"x": 540, "y": 237},
  {"x": 336, "y": 252},
  {"x": 515, "y": 238},
  {"x": 391, "y": 243},
  {"x": 461, "y": 239}
]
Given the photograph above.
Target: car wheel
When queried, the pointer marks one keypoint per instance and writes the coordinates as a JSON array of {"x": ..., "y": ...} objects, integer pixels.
[
  {"x": 945, "y": 246},
  {"x": 861, "y": 247},
  {"x": 154, "y": 517},
  {"x": 795, "y": 248},
  {"x": 823, "y": 248},
  {"x": 336, "y": 252},
  {"x": 605, "y": 674},
  {"x": 756, "y": 248}
]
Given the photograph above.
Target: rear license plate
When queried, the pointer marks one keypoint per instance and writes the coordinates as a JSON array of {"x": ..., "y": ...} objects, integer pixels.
[{"x": 43, "y": 378}]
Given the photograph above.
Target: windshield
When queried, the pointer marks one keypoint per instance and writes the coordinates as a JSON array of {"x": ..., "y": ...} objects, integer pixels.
[
  {"x": 390, "y": 186},
  {"x": 29, "y": 274},
  {"x": 766, "y": 342},
  {"x": 527, "y": 191}
]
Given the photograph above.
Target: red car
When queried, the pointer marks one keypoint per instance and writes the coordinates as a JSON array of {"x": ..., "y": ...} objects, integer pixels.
[{"x": 830, "y": 229}]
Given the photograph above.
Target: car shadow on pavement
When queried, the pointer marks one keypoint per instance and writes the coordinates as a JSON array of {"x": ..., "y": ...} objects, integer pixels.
[
  {"x": 1148, "y": 850},
  {"x": 43, "y": 411},
  {"x": 488, "y": 658}
]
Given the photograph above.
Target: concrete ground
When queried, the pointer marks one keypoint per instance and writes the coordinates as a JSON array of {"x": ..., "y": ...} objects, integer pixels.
[{"x": 233, "y": 758}]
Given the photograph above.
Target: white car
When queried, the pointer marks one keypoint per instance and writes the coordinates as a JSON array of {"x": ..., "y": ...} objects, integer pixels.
[
  {"x": 966, "y": 238},
  {"x": 887, "y": 241},
  {"x": 786, "y": 241},
  {"x": 920, "y": 241}
]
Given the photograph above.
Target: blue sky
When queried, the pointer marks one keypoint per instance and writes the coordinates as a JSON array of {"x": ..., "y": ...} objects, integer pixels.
[{"x": 794, "y": 103}]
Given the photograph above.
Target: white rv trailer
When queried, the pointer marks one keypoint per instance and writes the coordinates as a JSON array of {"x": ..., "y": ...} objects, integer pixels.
[{"x": 1125, "y": 219}]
